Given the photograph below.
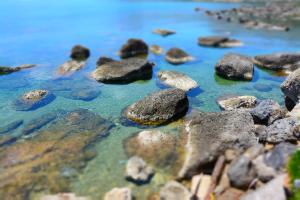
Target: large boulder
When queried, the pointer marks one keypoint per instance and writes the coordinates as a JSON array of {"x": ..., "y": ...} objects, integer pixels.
[
  {"x": 236, "y": 102},
  {"x": 177, "y": 56},
  {"x": 235, "y": 67},
  {"x": 177, "y": 80},
  {"x": 277, "y": 61},
  {"x": 119, "y": 194},
  {"x": 291, "y": 86},
  {"x": 218, "y": 41},
  {"x": 174, "y": 191},
  {"x": 209, "y": 135},
  {"x": 159, "y": 108},
  {"x": 79, "y": 52},
  {"x": 138, "y": 171},
  {"x": 133, "y": 47},
  {"x": 124, "y": 71}
]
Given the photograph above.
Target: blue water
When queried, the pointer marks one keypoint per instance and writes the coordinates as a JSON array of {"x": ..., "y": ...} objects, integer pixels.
[{"x": 43, "y": 32}]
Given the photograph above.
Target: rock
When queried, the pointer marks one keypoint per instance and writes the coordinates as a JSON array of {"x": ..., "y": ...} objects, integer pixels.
[
  {"x": 291, "y": 86},
  {"x": 211, "y": 134},
  {"x": 289, "y": 103},
  {"x": 33, "y": 100},
  {"x": 119, "y": 194},
  {"x": 138, "y": 171},
  {"x": 156, "y": 49},
  {"x": 200, "y": 185},
  {"x": 133, "y": 47},
  {"x": 241, "y": 172},
  {"x": 235, "y": 67},
  {"x": 124, "y": 71},
  {"x": 154, "y": 146},
  {"x": 279, "y": 155},
  {"x": 231, "y": 194},
  {"x": 104, "y": 60},
  {"x": 266, "y": 112},
  {"x": 63, "y": 196},
  {"x": 254, "y": 151},
  {"x": 236, "y": 102},
  {"x": 80, "y": 53},
  {"x": 84, "y": 94},
  {"x": 262, "y": 87},
  {"x": 10, "y": 127},
  {"x": 260, "y": 132},
  {"x": 177, "y": 56},
  {"x": 70, "y": 67},
  {"x": 267, "y": 191},
  {"x": 265, "y": 173},
  {"x": 219, "y": 41},
  {"x": 276, "y": 61},
  {"x": 163, "y": 32},
  {"x": 295, "y": 112},
  {"x": 9, "y": 70},
  {"x": 174, "y": 191},
  {"x": 159, "y": 108},
  {"x": 177, "y": 80}
]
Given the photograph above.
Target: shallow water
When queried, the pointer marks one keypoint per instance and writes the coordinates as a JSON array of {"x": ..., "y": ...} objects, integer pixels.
[{"x": 43, "y": 32}]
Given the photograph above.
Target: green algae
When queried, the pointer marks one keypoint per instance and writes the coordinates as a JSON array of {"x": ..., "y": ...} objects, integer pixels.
[{"x": 294, "y": 172}]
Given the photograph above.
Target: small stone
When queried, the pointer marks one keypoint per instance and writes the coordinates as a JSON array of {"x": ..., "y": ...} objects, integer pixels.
[
  {"x": 291, "y": 86},
  {"x": 260, "y": 132},
  {"x": 177, "y": 56},
  {"x": 119, "y": 194},
  {"x": 70, "y": 67},
  {"x": 156, "y": 49},
  {"x": 219, "y": 41},
  {"x": 200, "y": 185},
  {"x": 236, "y": 102},
  {"x": 133, "y": 48},
  {"x": 80, "y": 53},
  {"x": 174, "y": 191},
  {"x": 137, "y": 171},
  {"x": 164, "y": 32}
]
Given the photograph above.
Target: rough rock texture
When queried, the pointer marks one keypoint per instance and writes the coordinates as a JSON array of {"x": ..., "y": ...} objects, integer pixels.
[
  {"x": 163, "y": 32},
  {"x": 218, "y": 41},
  {"x": 33, "y": 100},
  {"x": 295, "y": 112},
  {"x": 177, "y": 80},
  {"x": 119, "y": 194},
  {"x": 177, "y": 56},
  {"x": 70, "y": 67},
  {"x": 211, "y": 134},
  {"x": 103, "y": 60},
  {"x": 156, "y": 49},
  {"x": 138, "y": 171},
  {"x": 277, "y": 61},
  {"x": 79, "y": 52},
  {"x": 10, "y": 127},
  {"x": 124, "y": 71},
  {"x": 133, "y": 47},
  {"x": 291, "y": 86},
  {"x": 235, "y": 67},
  {"x": 265, "y": 173},
  {"x": 236, "y": 102},
  {"x": 174, "y": 191},
  {"x": 159, "y": 108}
]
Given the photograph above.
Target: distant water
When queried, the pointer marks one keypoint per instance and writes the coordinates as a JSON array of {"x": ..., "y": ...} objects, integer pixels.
[{"x": 43, "y": 32}]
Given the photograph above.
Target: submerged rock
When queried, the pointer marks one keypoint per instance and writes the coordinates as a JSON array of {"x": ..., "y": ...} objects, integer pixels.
[
  {"x": 211, "y": 134},
  {"x": 163, "y": 32},
  {"x": 124, "y": 71},
  {"x": 138, "y": 171},
  {"x": 262, "y": 87},
  {"x": 236, "y": 102},
  {"x": 174, "y": 191},
  {"x": 119, "y": 194},
  {"x": 10, "y": 127},
  {"x": 156, "y": 49},
  {"x": 277, "y": 61},
  {"x": 219, "y": 41},
  {"x": 235, "y": 67},
  {"x": 70, "y": 67},
  {"x": 79, "y": 52},
  {"x": 291, "y": 86},
  {"x": 33, "y": 100},
  {"x": 133, "y": 48},
  {"x": 177, "y": 80},
  {"x": 177, "y": 56},
  {"x": 159, "y": 108}
]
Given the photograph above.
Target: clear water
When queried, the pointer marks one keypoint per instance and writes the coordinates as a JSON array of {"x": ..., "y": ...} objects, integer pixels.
[{"x": 43, "y": 32}]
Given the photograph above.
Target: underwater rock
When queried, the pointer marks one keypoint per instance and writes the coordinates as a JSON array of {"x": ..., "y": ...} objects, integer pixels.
[
  {"x": 159, "y": 108},
  {"x": 80, "y": 53},
  {"x": 291, "y": 86},
  {"x": 262, "y": 87},
  {"x": 70, "y": 67},
  {"x": 235, "y": 67},
  {"x": 124, "y": 71},
  {"x": 177, "y": 80},
  {"x": 156, "y": 49},
  {"x": 236, "y": 102},
  {"x": 219, "y": 41},
  {"x": 177, "y": 56},
  {"x": 174, "y": 191},
  {"x": 104, "y": 60},
  {"x": 164, "y": 32},
  {"x": 9, "y": 70},
  {"x": 276, "y": 61},
  {"x": 33, "y": 100},
  {"x": 138, "y": 171},
  {"x": 63, "y": 196},
  {"x": 119, "y": 194},
  {"x": 133, "y": 48},
  {"x": 84, "y": 94},
  {"x": 65, "y": 143},
  {"x": 211, "y": 134},
  {"x": 10, "y": 127}
]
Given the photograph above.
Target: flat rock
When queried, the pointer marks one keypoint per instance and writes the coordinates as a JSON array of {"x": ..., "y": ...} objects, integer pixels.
[
  {"x": 277, "y": 61},
  {"x": 291, "y": 86},
  {"x": 177, "y": 80},
  {"x": 219, "y": 41},
  {"x": 133, "y": 48},
  {"x": 177, "y": 56},
  {"x": 235, "y": 67},
  {"x": 236, "y": 102},
  {"x": 159, "y": 108},
  {"x": 124, "y": 71},
  {"x": 174, "y": 191},
  {"x": 211, "y": 134},
  {"x": 80, "y": 52},
  {"x": 9, "y": 70},
  {"x": 164, "y": 32},
  {"x": 156, "y": 49},
  {"x": 119, "y": 194},
  {"x": 70, "y": 67},
  {"x": 138, "y": 171}
]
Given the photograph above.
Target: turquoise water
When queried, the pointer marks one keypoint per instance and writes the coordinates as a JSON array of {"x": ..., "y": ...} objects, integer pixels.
[{"x": 43, "y": 32}]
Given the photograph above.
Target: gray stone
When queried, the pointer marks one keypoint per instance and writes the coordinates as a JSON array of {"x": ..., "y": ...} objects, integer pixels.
[
  {"x": 277, "y": 61},
  {"x": 174, "y": 191},
  {"x": 236, "y": 102},
  {"x": 138, "y": 171},
  {"x": 291, "y": 86},
  {"x": 219, "y": 41},
  {"x": 133, "y": 48},
  {"x": 177, "y": 56},
  {"x": 265, "y": 173}
]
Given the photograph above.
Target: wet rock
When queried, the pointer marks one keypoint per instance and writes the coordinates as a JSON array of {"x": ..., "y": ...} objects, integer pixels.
[
  {"x": 10, "y": 127},
  {"x": 104, "y": 60},
  {"x": 267, "y": 191},
  {"x": 265, "y": 173},
  {"x": 163, "y": 32},
  {"x": 156, "y": 49},
  {"x": 211, "y": 134},
  {"x": 291, "y": 86},
  {"x": 241, "y": 172},
  {"x": 276, "y": 61},
  {"x": 177, "y": 56},
  {"x": 235, "y": 67},
  {"x": 9, "y": 70},
  {"x": 119, "y": 194},
  {"x": 124, "y": 71},
  {"x": 177, "y": 80},
  {"x": 174, "y": 191},
  {"x": 236, "y": 102},
  {"x": 133, "y": 47},
  {"x": 80, "y": 53},
  {"x": 218, "y": 41},
  {"x": 154, "y": 146},
  {"x": 70, "y": 67},
  {"x": 138, "y": 171},
  {"x": 159, "y": 108},
  {"x": 33, "y": 100},
  {"x": 63, "y": 196},
  {"x": 262, "y": 87},
  {"x": 266, "y": 112}
]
